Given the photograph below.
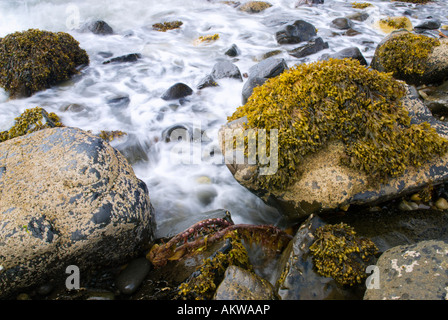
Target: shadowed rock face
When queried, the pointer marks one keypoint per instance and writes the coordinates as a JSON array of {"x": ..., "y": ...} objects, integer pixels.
[{"x": 67, "y": 197}]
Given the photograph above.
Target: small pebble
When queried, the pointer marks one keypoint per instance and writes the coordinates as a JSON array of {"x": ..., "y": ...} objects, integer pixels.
[
  {"x": 132, "y": 276},
  {"x": 441, "y": 204}
]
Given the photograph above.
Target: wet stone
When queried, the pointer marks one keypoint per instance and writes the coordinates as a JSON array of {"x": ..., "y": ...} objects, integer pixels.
[{"x": 129, "y": 280}]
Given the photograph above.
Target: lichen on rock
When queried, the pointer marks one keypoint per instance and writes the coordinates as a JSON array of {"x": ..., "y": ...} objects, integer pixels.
[
  {"x": 338, "y": 100},
  {"x": 34, "y": 60}
]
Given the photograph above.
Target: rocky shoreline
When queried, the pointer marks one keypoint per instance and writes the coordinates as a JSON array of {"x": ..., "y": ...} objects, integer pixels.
[{"x": 358, "y": 229}]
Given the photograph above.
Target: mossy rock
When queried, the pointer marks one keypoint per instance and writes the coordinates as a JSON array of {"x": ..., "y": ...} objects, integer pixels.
[
  {"x": 346, "y": 134},
  {"x": 35, "y": 60},
  {"x": 254, "y": 6},
  {"x": 389, "y": 24},
  {"x": 416, "y": 59}
]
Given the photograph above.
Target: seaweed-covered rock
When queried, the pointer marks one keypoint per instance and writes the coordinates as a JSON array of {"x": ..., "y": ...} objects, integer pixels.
[
  {"x": 254, "y": 6},
  {"x": 390, "y": 24},
  {"x": 411, "y": 272},
  {"x": 68, "y": 198},
  {"x": 297, "y": 278},
  {"x": 34, "y": 60},
  {"x": 416, "y": 59},
  {"x": 345, "y": 135}
]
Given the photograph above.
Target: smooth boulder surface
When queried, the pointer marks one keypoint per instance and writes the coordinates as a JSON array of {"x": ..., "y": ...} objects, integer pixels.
[{"x": 68, "y": 198}]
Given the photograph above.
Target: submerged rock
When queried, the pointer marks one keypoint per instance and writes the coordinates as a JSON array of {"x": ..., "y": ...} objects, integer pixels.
[
  {"x": 131, "y": 57},
  {"x": 99, "y": 27},
  {"x": 177, "y": 91},
  {"x": 311, "y": 47},
  {"x": 411, "y": 272},
  {"x": 35, "y": 60},
  {"x": 68, "y": 198}
]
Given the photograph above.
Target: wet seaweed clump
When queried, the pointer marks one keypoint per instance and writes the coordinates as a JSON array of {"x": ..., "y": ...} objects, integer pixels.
[
  {"x": 167, "y": 25},
  {"x": 396, "y": 23},
  {"x": 203, "y": 283},
  {"x": 34, "y": 60},
  {"x": 338, "y": 100},
  {"x": 361, "y": 5},
  {"x": 338, "y": 253},
  {"x": 111, "y": 135},
  {"x": 404, "y": 54},
  {"x": 254, "y": 6},
  {"x": 29, "y": 121}
]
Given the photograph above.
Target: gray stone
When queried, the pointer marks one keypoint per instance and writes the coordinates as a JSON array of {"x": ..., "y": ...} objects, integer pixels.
[
  {"x": 297, "y": 32},
  {"x": 311, "y": 47},
  {"x": 241, "y": 284},
  {"x": 352, "y": 52},
  {"x": 132, "y": 276},
  {"x": 177, "y": 91},
  {"x": 226, "y": 69},
  {"x": 68, "y": 198},
  {"x": 412, "y": 272}
]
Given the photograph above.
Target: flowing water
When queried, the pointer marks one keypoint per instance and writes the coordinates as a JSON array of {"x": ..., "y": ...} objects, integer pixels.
[{"x": 126, "y": 96}]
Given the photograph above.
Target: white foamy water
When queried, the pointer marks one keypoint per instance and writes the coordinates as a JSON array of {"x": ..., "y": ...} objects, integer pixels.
[{"x": 176, "y": 190}]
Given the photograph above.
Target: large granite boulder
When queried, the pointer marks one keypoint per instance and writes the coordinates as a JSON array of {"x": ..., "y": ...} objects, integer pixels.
[
  {"x": 411, "y": 272},
  {"x": 324, "y": 179},
  {"x": 67, "y": 198}
]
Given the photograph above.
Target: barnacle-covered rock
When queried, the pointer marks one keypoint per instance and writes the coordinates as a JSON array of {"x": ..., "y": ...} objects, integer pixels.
[
  {"x": 34, "y": 60},
  {"x": 68, "y": 198},
  {"x": 346, "y": 134},
  {"x": 416, "y": 59}
]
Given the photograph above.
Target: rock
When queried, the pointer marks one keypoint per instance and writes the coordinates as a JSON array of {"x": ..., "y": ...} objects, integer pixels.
[
  {"x": 233, "y": 51},
  {"x": 268, "y": 68},
  {"x": 320, "y": 182},
  {"x": 311, "y": 47},
  {"x": 358, "y": 16},
  {"x": 132, "y": 57},
  {"x": 177, "y": 91},
  {"x": 241, "y": 284},
  {"x": 206, "y": 194},
  {"x": 226, "y": 69},
  {"x": 132, "y": 276},
  {"x": 54, "y": 58},
  {"x": 98, "y": 27},
  {"x": 249, "y": 86},
  {"x": 390, "y": 24},
  {"x": 297, "y": 279},
  {"x": 429, "y": 24},
  {"x": 254, "y": 6},
  {"x": 416, "y": 59},
  {"x": 297, "y": 32},
  {"x": 412, "y": 272},
  {"x": 207, "y": 82},
  {"x": 68, "y": 198},
  {"x": 436, "y": 99},
  {"x": 441, "y": 204},
  {"x": 352, "y": 52},
  {"x": 300, "y": 3},
  {"x": 341, "y": 23},
  {"x": 259, "y": 73}
]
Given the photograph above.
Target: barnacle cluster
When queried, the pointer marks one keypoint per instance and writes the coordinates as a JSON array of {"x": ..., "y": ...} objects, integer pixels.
[
  {"x": 338, "y": 253},
  {"x": 34, "y": 60},
  {"x": 31, "y": 120},
  {"x": 405, "y": 53},
  {"x": 312, "y": 104},
  {"x": 203, "y": 284},
  {"x": 167, "y": 25}
]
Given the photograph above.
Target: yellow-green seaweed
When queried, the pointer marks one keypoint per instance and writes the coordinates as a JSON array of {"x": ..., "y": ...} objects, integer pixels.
[
  {"x": 339, "y": 253},
  {"x": 34, "y": 60},
  {"x": 167, "y": 25},
  {"x": 313, "y": 104},
  {"x": 211, "y": 272},
  {"x": 404, "y": 54},
  {"x": 29, "y": 121}
]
